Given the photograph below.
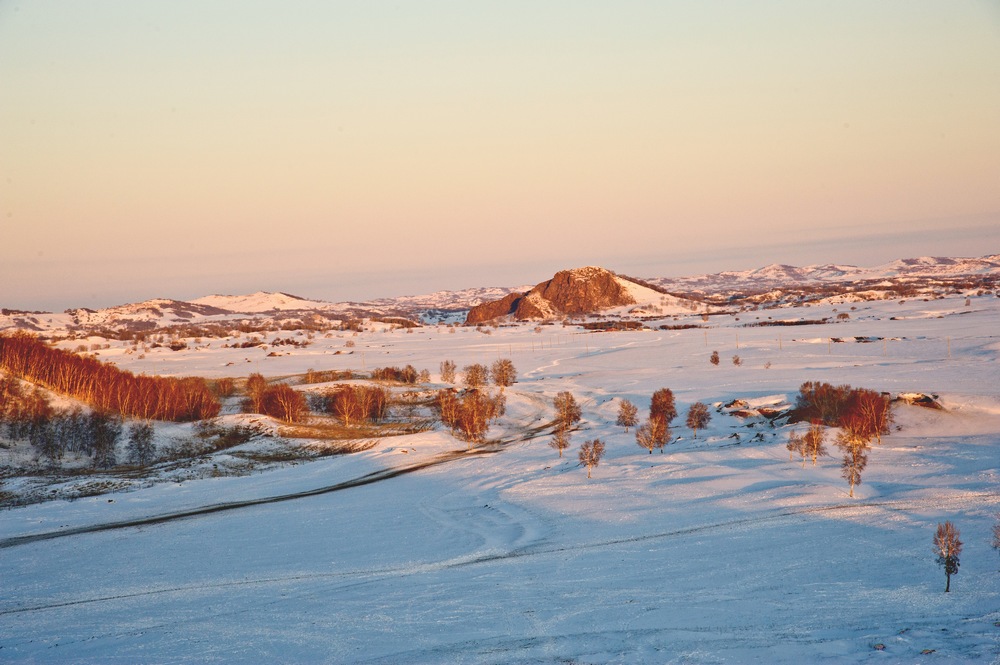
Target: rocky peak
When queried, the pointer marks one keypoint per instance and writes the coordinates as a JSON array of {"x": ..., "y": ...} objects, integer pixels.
[{"x": 577, "y": 291}]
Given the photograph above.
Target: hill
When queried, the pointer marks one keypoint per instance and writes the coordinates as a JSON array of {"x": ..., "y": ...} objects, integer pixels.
[{"x": 588, "y": 290}]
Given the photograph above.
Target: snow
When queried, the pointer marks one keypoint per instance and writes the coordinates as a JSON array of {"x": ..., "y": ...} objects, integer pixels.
[
  {"x": 718, "y": 550},
  {"x": 786, "y": 275},
  {"x": 261, "y": 301}
]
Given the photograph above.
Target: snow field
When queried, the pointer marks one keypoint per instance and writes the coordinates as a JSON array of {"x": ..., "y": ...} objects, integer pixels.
[{"x": 715, "y": 551}]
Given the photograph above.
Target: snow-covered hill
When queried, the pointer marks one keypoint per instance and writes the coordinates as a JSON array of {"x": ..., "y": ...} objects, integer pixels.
[{"x": 261, "y": 301}]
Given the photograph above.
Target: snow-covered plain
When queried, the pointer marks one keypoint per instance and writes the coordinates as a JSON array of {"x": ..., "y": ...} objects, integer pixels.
[{"x": 719, "y": 550}]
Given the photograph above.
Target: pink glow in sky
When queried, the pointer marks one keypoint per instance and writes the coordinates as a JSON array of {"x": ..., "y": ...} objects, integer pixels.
[{"x": 348, "y": 150}]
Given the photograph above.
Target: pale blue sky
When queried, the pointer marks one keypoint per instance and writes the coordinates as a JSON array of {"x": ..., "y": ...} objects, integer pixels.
[{"x": 348, "y": 150}]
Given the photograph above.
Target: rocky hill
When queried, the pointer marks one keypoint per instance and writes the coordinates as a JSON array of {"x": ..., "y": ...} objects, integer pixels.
[{"x": 569, "y": 292}]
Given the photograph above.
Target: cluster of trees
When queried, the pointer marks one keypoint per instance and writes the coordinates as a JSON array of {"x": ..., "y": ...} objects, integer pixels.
[
  {"x": 353, "y": 404},
  {"x": 810, "y": 444},
  {"x": 859, "y": 409},
  {"x": 278, "y": 401},
  {"x": 862, "y": 415},
  {"x": 27, "y": 415},
  {"x": 470, "y": 412},
  {"x": 324, "y": 376},
  {"x": 408, "y": 374},
  {"x": 501, "y": 373},
  {"x": 568, "y": 414},
  {"x": 105, "y": 387},
  {"x": 655, "y": 432}
]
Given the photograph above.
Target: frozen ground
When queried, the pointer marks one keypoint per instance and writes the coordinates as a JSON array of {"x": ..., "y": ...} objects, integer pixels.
[{"x": 719, "y": 550}]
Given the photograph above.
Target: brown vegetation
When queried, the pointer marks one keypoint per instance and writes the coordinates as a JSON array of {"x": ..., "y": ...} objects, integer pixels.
[
  {"x": 105, "y": 387},
  {"x": 469, "y": 414},
  {"x": 354, "y": 404}
]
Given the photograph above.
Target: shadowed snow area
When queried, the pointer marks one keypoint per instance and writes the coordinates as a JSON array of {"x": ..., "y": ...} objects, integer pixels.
[{"x": 718, "y": 550}]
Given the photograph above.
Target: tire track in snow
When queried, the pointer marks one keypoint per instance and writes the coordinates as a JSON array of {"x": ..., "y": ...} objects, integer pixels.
[
  {"x": 366, "y": 479},
  {"x": 492, "y": 446},
  {"x": 367, "y": 576}
]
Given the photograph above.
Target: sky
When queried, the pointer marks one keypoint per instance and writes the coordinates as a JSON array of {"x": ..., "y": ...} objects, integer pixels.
[{"x": 353, "y": 150}]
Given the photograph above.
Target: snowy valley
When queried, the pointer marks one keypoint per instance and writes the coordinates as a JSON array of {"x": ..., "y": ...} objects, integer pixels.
[{"x": 421, "y": 547}]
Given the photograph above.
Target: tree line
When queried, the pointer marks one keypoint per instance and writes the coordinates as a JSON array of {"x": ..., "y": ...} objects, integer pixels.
[{"x": 105, "y": 387}]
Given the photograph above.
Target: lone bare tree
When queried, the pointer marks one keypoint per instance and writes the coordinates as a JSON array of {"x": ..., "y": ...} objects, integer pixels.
[
  {"x": 503, "y": 373},
  {"x": 448, "y": 371},
  {"x": 652, "y": 434},
  {"x": 698, "y": 417},
  {"x": 568, "y": 412},
  {"x": 661, "y": 405},
  {"x": 855, "y": 442},
  {"x": 948, "y": 548},
  {"x": 628, "y": 414},
  {"x": 813, "y": 440},
  {"x": 560, "y": 440},
  {"x": 854, "y": 463},
  {"x": 475, "y": 376},
  {"x": 796, "y": 445},
  {"x": 591, "y": 453}
]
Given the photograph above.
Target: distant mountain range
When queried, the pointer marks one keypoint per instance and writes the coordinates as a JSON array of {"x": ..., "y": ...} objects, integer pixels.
[
  {"x": 784, "y": 276},
  {"x": 772, "y": 285}
]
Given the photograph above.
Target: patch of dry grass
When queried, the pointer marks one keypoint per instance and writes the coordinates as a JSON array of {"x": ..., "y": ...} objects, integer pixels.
[{"x": 329, "y": 429}]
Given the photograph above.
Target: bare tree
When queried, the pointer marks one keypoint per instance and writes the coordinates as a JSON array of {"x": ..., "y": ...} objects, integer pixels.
[
  {"x": 560, "y": 440},
  {"x": 652, "y": 434},
  {"x": 869, "y": 413},
  {"x": 794, "y": 445},
  {"x": 474, "y": 416},
  {"x": 591, "y": 453},
  {"x": 948, "y": 547},
  {"x": 448, "y": 371},
  {"x": 661, "y": 405},
  {"x": 104, "y": 429},
  {"x": 698, "y": 417},
  {"x": 854, "y": 463},
  {"x": 140, "y": 448},
  {"x": 628, "y": 414},
  {"x": 813, "y": 440},
  {"x": 714, "y": 358},
  {"x": 256, "y": 385},
  {"x": 475, "y": 376},
  {"x": 503, "y": 373},
  {"x": 568, "y": 412},
  {"x": 469, "y": 415},
  {"x": 448, "y": 405},
  {"x": 284, "y": 402},
  {"x": 737, "y": 360}
]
